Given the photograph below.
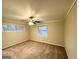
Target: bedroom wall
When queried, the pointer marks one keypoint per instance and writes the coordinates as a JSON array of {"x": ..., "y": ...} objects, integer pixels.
[
  {"x": 14, "y": 37},
  {"x": 55, "y": 33},
  {"x": 71, "y": 33}
]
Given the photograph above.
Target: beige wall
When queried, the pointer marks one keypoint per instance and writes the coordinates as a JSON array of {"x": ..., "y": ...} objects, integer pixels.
[
  {"x": 71, "y": 33},
  {"x": 15, "y": 37},
  {"x": 55, "y": 33}
]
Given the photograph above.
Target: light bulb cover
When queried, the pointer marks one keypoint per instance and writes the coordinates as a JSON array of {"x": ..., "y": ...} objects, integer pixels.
[{"x": 31, "y": 23}]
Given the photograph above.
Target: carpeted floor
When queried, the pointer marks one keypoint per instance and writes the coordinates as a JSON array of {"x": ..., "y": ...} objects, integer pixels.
[{"x": 35, "y": 50}]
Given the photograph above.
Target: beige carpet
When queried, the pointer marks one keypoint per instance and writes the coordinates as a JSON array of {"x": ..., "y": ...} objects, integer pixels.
[{"x": 35, "y": 50}]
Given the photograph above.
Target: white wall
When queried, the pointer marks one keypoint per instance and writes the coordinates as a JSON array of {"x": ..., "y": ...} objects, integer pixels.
[
  {"x": 71, "y": 33},
  {"x": 55, "y": 33},
  {"x": 14, "y": 37}
]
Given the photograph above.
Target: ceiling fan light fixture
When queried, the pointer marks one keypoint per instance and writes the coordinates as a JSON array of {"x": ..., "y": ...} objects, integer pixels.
[
  {"x": 31, "y": 17},
  {"x": 31, "y": 23},
  {"x": 33, "y": 20}
]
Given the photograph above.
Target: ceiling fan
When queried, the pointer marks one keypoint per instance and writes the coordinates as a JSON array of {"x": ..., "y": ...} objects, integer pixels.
[{"x": 33, "y": 20}]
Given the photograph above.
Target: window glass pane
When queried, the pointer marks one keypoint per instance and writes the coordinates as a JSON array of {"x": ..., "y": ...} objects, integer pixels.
[
  {"x": 11, "y": 27},
  {"x": 42, "y": 27},
  {"x": 42, "y": 31},
  {"x": 19, "y": 27},
  {"x": 4, "y": 27}
]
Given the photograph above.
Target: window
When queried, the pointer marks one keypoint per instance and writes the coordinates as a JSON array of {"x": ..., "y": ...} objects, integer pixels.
[
  {"x": 42, "y": 30},
  {"x": 4, "y": 27},
  {"x": 12, "y": 27},
  {"x": 19, "y": 27}
]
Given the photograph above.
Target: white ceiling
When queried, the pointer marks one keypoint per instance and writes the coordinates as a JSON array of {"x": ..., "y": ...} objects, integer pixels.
[{"x": 44, "y": 9}]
